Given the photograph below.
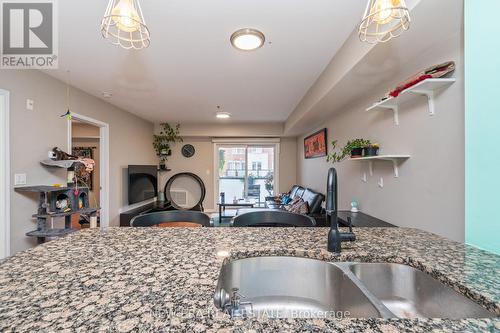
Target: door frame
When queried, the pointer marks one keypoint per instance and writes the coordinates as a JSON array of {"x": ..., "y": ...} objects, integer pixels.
[
  {"x": 103, "y": 161},
  {"x": 239, "y": 142},
  {"x": 4, "y": 174}
]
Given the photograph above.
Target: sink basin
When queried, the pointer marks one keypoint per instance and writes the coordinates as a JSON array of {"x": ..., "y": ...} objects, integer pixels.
[
  {"x": 410, "y": 293},
  {"x": 289, "y": 287}
]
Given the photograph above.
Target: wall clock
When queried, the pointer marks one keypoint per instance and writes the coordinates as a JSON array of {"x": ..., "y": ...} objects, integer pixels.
[{"x": 188, "y": 151}]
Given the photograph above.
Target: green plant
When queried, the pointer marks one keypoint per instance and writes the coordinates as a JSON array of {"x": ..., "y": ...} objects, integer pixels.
[
  {"x": 251, "y": 179},
  {"x": 222, "y": 159},
  {"x": 339, "y": 156},
  {"x": 162, "y": 142},
  {"x": 269, "y": 183}
]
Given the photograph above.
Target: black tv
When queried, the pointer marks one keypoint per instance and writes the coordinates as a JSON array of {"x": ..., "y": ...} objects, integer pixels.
[{"x": 142, "y": 183}]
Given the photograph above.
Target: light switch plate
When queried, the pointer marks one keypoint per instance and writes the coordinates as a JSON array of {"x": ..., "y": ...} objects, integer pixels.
[
  {"x": 30, "y": 104},
  {"x": 19, "y": 179}
]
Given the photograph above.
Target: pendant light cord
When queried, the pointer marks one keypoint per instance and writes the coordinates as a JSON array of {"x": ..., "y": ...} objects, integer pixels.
[{"x": 67, "y": 91}]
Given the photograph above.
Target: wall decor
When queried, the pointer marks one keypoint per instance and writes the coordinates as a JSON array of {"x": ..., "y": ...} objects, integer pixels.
[
  {"x": 84, "y": 178},
  {"x": 188, "y": 151},
  {"x": 315, "y": 145}
]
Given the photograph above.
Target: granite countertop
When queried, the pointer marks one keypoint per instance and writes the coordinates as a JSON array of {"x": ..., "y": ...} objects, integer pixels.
[{"x": 163, "y": 279}]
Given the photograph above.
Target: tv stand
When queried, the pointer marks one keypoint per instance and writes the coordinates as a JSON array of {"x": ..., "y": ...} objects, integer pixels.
[{"x": 156, "y": 206}]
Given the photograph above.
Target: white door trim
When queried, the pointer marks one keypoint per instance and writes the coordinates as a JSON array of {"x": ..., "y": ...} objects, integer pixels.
[
  {"x": 4, "y": 175},
  {"x": 103, "y": 160}
]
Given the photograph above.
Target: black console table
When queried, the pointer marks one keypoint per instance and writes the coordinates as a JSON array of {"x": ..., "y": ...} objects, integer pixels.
[
  {"x": 239, "y": 204},
  {"x": 362, "y": 220},
  {"x": 158, "y": 206}
]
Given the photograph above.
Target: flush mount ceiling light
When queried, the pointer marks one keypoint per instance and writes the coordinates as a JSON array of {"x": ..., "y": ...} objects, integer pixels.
[
  {"x": 123, "y": 24},
  {"x": 384, "y": 20},
  {"x": 247, "y": 39},
  {"x": 222, "y": 115}
]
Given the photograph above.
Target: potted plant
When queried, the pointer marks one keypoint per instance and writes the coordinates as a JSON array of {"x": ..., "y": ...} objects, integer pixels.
[
  {"x": 162, "y": 142},
  {"x": 356, "y": 147},
  {"x": 371, "y": 150},
  {"x": 269, "y": 183},
  {"x": 353, "y": 148}
]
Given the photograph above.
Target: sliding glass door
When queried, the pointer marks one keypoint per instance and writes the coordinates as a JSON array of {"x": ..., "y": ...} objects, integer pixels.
[{"x": 246, "y": 172}]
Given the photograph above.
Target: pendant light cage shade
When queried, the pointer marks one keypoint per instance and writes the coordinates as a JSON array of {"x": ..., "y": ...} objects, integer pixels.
[
  {"x": 124, "y": 25},
  {"x": 384, "y": 20}
]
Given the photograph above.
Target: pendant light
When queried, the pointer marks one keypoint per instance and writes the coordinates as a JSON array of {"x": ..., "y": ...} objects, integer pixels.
[
  {"x": 123, "y": 24},
  {"x": 68, "y": 114},
  {"x": 384, "y": 20}
]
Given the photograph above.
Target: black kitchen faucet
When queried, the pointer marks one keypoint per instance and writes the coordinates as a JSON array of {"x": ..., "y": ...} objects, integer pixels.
[{"x": 335, "y": 237}]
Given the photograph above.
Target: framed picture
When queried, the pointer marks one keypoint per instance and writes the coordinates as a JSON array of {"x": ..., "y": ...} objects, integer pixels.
[
  {"x": 84, "y": 178},
  {"x": 315, "y": 145}
]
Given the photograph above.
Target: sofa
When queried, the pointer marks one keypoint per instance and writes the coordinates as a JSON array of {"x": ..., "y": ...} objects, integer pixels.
[{"x": 313, "y": 199}]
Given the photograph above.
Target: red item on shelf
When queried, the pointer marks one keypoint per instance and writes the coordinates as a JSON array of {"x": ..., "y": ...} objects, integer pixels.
[{"x": 399, "y": 90}]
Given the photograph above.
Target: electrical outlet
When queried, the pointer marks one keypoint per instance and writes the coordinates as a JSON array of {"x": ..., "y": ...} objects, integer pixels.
[
  {"x": 30, "y": 104},
  {"x": 19, "y": 179}
]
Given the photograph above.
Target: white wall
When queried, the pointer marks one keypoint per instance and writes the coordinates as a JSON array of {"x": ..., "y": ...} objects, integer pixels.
[
  {"x": 33, "y": 133},
  {"x": 4, "y": 176},
  {"x": 202, "y": 164},
  {"x": 430, "y": 191}
]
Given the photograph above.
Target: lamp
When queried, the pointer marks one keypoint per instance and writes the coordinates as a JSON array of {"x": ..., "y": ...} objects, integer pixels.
[
  {"x": 384, "y": 20},
  {"x": 123, "y": 24}
]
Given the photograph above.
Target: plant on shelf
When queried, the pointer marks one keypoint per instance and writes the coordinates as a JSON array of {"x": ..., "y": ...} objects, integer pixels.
[
  {"x": 371, "y": 150},
  {"x": 353, "y": 148},
  {"x": 162, "y": 142}
]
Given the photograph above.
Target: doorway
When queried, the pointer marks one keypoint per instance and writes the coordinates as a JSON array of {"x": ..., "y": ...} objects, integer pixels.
[
  {"x": 246, "y": 172},
  {"x": 89, "y": 138},
  {"x": 4, "y": 175},
  {"x": 85, "y": 143}
]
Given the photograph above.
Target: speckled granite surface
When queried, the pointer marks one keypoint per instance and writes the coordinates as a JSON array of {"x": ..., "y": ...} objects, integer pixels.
[{"x": 125, "y": 279}]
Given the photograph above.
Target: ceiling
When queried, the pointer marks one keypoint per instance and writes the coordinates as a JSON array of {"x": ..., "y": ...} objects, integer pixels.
[{"x": 190, "y": 67}]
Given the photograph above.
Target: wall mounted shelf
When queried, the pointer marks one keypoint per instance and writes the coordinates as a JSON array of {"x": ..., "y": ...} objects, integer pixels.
[
  {"x": 65, "y": 164},
  {"x": 86, "y": 137},
  {"x": 425, "y": 88},
  {"x": 395, "y": 159}
]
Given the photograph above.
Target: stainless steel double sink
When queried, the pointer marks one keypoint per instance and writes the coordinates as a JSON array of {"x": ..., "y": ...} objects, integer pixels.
[{"x": 290, "y": 287}]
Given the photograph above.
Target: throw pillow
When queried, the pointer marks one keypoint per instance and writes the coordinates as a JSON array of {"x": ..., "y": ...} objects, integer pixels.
[
  {"x": 279, "y": 198},
  {"x": 299, "y": 207}
]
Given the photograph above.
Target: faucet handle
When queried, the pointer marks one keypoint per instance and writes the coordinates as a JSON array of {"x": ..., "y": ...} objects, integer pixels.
[
  {"x": 236, "y": 296},
  {"x": 349, "y": 222}
]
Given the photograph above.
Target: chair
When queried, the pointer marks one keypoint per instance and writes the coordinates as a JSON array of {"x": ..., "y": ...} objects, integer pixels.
[
  {"x": 172, "y": 219},
  {"x": 254, "y": 192},
  {"x": 272, "y": 218}
]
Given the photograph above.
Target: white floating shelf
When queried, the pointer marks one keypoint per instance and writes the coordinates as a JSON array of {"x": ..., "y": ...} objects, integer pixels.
[
  {"x": 395, "y": 159},
  {"x": 425, "y": 88},
  {"x": 65, "y": 164}
]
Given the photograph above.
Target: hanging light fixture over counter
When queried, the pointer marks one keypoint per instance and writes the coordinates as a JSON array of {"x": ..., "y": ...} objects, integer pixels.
[
  {"x": 384, "y": 20},
  {"x": 123, "y": 24}
]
